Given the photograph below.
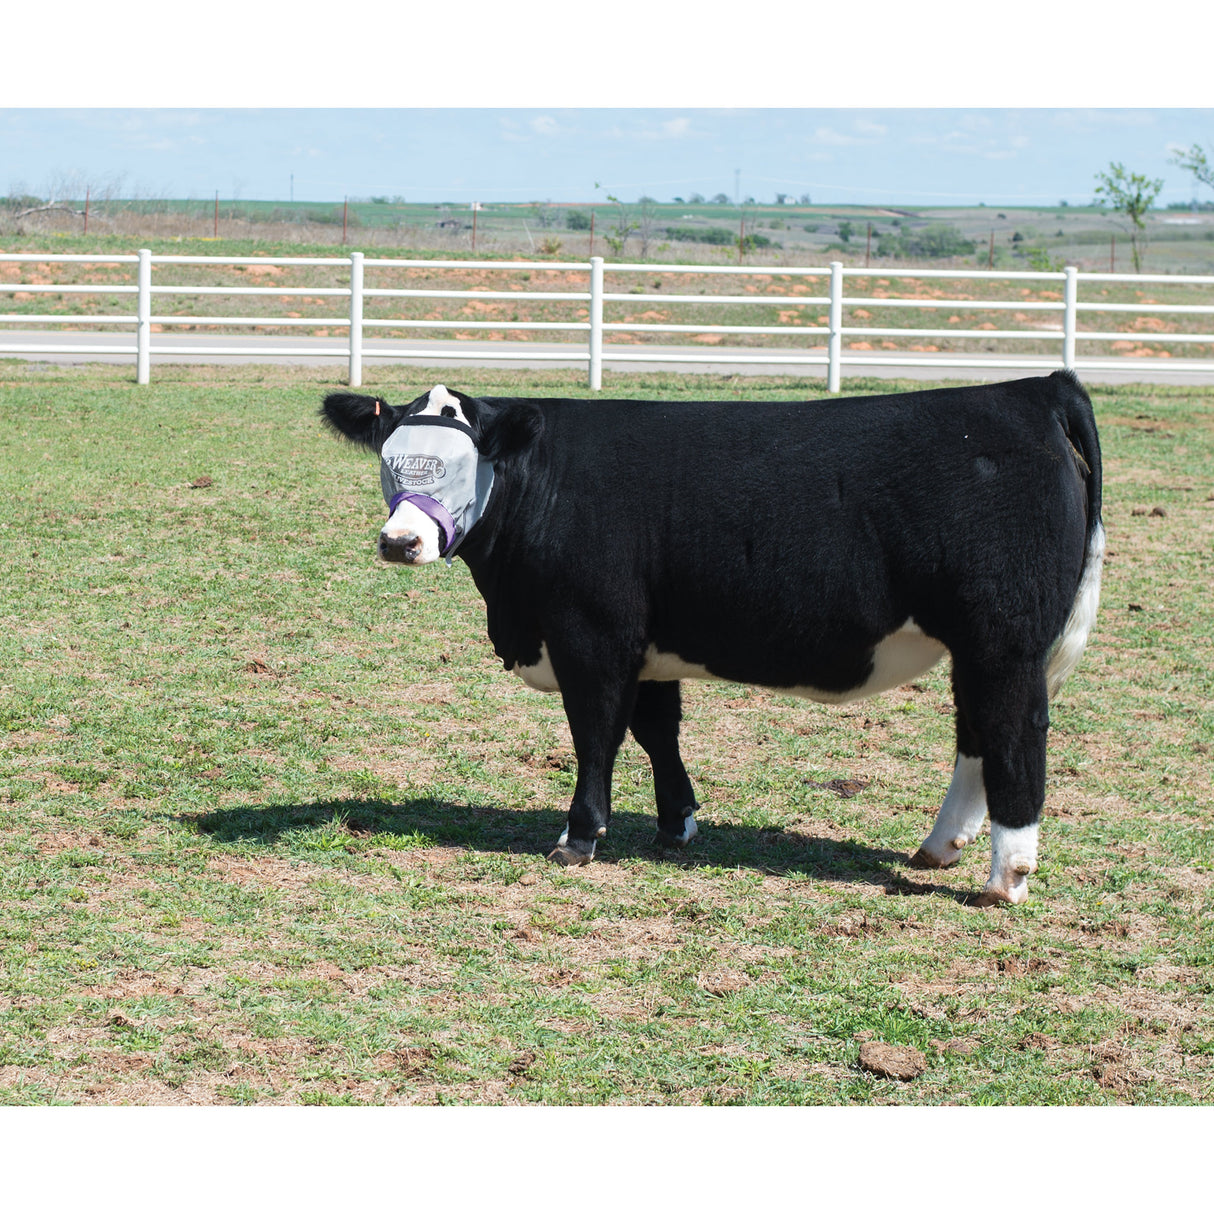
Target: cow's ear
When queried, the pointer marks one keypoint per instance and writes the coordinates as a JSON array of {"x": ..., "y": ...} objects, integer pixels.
[
  {"x": 509, "y": 429},
  {"x": 366, "y": 420}
]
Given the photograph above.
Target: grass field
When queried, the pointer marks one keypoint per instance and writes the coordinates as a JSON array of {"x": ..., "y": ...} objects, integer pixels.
[
  {"x": 1082, "y": 235},
  {"x": 273, "y": 818}
]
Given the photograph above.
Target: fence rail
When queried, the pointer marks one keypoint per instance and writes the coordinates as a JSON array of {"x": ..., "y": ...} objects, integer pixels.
[{"x": 1064, "y": 328}]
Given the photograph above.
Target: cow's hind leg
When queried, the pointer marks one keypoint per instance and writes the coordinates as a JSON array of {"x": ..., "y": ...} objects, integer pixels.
[
  {"x": 964, "y": 809},
  {"x": 655, "y": 725},
  {"x": 960, "y": 817},
  {"x": 1007, "y": 707},
  {"x": 598, "y": 687}
]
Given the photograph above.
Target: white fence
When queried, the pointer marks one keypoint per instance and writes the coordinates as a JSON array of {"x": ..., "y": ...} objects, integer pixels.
[{"x": 834, "y": 357}]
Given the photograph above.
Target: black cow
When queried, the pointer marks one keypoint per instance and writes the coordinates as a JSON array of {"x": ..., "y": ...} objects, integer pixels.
[{"x": 830, "y": 549}]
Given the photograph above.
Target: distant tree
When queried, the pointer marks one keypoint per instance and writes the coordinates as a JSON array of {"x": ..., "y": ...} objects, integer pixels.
[
  {"x": 1197, "y": 162},
  {"x": 617, "y": 236},
  {"x": 845, "y": 231},
  {"x": 577, "y": 221},
  {"x": 935, "y": 240},
  {"x": 1132, "y": 195},
  {"x": 721, "y": 200},
  {"x": 545, "y": 213},
  {"x": 695, "y": 199},
  {"x": 646, "y": 219},
  {"x": 804, "y": 200},
  {"x": 718, "y": 236}
]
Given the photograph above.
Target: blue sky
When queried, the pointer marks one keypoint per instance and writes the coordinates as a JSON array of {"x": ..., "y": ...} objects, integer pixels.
[
  {"x": 913, "y": 156},
  {"x": 482, "y": 101}
]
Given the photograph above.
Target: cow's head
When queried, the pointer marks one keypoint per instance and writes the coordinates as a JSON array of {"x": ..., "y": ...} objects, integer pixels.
[{"x": 437, "y": 461}]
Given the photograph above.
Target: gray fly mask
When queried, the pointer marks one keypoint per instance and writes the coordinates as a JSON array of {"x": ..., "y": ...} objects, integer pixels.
[{"x": 433, "y": 463}]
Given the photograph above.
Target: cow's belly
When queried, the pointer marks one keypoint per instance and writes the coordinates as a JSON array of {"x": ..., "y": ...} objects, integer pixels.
[{"x": 900, "y": 657}]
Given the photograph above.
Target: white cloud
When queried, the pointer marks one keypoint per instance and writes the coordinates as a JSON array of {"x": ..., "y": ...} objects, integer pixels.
[
  {"x": 833, "y": 138},
  {"x": 866, "y": 127},
  {"x": 863, "y": 130}
]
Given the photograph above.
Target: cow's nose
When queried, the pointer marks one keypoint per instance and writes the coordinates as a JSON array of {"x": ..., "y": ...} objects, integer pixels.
[{"x": 404, "y": 548}]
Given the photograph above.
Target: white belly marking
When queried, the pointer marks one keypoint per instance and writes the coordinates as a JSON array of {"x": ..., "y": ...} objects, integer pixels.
[{"x": 900, "y": 657}]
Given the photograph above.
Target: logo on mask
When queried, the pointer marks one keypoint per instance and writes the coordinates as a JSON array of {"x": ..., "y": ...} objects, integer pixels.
[{"x": 418, "y": 470}]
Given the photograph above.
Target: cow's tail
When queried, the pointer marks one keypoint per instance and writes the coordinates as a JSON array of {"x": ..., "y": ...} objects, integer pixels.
[{"x": 1079, "y": 424}]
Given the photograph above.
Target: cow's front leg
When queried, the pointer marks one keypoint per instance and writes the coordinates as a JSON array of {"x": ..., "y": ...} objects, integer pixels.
[
  {"x": 655, "y": 725},
  {"x": 598, "y": 698}
]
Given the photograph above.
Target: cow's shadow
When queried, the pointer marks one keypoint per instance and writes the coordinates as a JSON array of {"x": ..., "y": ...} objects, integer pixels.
[{"x": 430, "y": 821}]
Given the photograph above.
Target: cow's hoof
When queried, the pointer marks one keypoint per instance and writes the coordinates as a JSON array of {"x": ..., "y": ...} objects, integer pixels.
[
  {"x": 569, "y": 857},
  {"x": 666, "y": 839},
  {"x": 689, "y": 831},
  {"x": 945, "y": 858},
  {"x": 1012, "y": 891}
]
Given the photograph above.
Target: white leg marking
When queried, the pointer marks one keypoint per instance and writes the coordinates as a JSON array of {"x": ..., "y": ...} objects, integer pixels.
[
  {"x": 960, "y": 817},
  {"x": 690, "y": 830},
  {"x": 1013, "y": 857},
  {"x": 1068, "y": 649}
]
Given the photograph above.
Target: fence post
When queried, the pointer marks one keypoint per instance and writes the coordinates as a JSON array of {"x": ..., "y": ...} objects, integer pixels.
[
  {"x": 836, "y": 326},
  {"x": 596, "y": 324},
  {"x": 1070, "y": 295},
  {"x": 143, "y": 314},
  {"x": 356, "y": 320}
]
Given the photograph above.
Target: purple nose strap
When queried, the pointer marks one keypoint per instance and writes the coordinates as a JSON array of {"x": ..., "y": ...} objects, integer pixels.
[{"x": 434, "y": 509}]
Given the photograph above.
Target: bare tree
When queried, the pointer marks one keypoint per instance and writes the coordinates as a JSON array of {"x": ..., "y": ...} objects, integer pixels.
[
  {"x": 545, "y": 213},
  {"x": 646, "y": 223}
]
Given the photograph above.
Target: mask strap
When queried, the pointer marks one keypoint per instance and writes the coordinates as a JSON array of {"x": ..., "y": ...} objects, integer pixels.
[{"x": 434, "y": 509}]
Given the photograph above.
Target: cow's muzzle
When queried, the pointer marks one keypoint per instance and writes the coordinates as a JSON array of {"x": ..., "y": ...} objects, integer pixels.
[{"x": 401, "y": 549}]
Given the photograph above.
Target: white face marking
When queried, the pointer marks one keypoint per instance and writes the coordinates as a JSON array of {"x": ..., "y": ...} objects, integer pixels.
[
  {"x": 440, "y": 399},
  {"x": 1013, "y": 857},
  {"x": 406, "y": 522},
  {"x": 902, "y": 656},
  {"x": 1068, "y": 649},
  {"x": 961, "y": 816}
]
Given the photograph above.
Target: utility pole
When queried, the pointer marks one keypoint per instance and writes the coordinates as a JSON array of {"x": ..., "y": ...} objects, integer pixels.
[{"x": 737, "y": 187}]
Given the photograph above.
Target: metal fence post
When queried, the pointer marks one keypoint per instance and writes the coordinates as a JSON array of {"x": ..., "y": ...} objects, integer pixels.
[
  {"x": 596, "y": 324},
  {"x": 143, "y": 321},
  {"x": 356, "y": 320},
  {"x": 836, "y": 326},
  {"x": 1070, "y": 295}
]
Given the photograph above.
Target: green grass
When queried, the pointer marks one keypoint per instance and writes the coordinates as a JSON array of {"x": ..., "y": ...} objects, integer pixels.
[{"x": 273, "y": 818}]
